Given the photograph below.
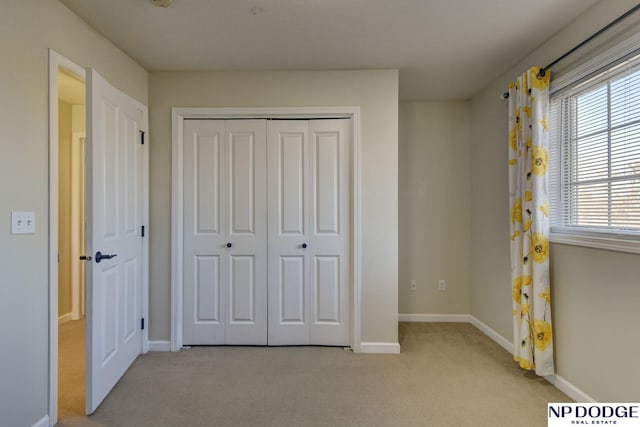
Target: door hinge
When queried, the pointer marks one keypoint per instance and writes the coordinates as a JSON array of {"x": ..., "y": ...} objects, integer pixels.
[
  {"x": 142, "y": 323},
  {"x": 142, "y": 137},
  {"x": 142, "y": 231}
]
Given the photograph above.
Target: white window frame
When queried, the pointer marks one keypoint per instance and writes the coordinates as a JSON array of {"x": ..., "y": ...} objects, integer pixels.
[{"x": 607, "y": 239}]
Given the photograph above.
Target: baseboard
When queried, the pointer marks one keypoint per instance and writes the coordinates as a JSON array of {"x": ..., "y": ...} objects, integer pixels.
[
  {"x": 42, "y": 422},
  {"x": 455, "y": 318},
  {"x": 560, "y": 383},
  {"x": 502, "y": 341},
  {"x": 159, "y": 346},
  {"x": 380, "y": 347},
  {"x": 569, "y": 389},
  {"x": 65, "y": 318}
]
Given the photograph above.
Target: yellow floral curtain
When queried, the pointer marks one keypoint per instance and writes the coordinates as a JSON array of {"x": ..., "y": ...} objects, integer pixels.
[{"x": 528, "y": 182}]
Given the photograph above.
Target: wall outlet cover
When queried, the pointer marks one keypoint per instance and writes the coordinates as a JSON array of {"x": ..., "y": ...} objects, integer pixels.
[{"x": 23, "y": 222}]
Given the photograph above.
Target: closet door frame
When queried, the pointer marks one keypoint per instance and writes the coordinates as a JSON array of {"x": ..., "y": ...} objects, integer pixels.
[{"x": 179, "y": 114}]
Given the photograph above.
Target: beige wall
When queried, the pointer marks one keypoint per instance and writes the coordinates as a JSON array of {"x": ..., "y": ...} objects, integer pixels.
[
  {"x": 376, "y": 92},
  {"x": 64, "y": 207},
  {"x": 595, "y": 292},
  {"x": 434, "y": 185},
  {"x": 27, "y": 29}
]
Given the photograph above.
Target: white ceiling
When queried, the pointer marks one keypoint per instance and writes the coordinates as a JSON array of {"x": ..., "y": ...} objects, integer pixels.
[{"x": 445, "y": 49}]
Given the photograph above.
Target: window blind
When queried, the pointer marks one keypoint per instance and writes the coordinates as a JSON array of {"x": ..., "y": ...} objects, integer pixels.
[{"x": 594, "y": 181}]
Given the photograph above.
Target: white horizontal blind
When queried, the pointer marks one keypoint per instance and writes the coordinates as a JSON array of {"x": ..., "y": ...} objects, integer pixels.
[{"x": 595, "y": 159}]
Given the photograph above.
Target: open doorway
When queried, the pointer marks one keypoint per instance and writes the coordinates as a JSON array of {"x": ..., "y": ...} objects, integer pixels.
[{"x": 71, "y": 244}]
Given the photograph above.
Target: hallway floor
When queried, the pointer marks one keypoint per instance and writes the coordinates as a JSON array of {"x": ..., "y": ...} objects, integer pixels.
[{"x": 71, "y": 368}]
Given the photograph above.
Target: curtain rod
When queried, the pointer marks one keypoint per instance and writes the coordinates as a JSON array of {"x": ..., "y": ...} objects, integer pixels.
[
  {"x": 593, "y": 36},
  {"x": 543, "y": 70}
]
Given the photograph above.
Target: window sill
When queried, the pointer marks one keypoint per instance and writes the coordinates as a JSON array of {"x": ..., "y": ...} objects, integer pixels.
[{"x": 624, "y": 243}]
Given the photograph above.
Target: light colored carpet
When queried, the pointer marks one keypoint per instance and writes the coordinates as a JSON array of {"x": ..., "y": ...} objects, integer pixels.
[
  {"x": 446, "y": 375},
  {"x": 71, "y": 363}
]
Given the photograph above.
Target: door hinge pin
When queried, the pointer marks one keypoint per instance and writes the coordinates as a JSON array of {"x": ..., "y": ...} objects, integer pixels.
[
  {"x": 142, "y": 323},
  {"x": 142, "y": 231},
  {"x": 142, "y": 137}
]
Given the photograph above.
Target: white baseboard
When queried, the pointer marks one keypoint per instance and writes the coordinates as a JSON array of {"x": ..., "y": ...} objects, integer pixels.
[
  {"x": 569, "y": 389},
  {"x": 159, "y": 346},
  {"x": 380, "y": 347},
  {"x": 42, "y": 422},
  {"x": 456, "y": 318},
  {"x": 502, "y": 341},
  {"x": 65, "y": 318}
]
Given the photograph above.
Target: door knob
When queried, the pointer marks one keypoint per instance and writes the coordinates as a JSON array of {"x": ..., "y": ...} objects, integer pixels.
[
  {"x": 229, "y": 245},
  {"x": 100, "y": 256},
  {"x": 304, "y": 246}
]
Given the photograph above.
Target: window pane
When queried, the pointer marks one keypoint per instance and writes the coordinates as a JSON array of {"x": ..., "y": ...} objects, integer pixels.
[
  {"x": 591, "y": 111},
  {"x": 625, "y": 99},
  {"x": 625, "y": 151},
  {"x": 590, "y": 205},
  {"x": 591, "y": 157},
  {"x": 625, "y": 204}
]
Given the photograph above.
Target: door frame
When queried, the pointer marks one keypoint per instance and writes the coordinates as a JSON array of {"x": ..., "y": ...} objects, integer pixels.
[
  {"x": 57, "y": 61},
  {"x": 178, "y": 115}
]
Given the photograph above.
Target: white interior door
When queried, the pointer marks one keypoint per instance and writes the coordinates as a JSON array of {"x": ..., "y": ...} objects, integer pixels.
[
  {"x": 114, "y": 219},
  {"x": 225, "y": 232},
  {"x": 204, "y": 235},
  {"x": 309, "y": 232},
  {"x": 330, "y": 231},
  {"x": 288, "y": 168}
]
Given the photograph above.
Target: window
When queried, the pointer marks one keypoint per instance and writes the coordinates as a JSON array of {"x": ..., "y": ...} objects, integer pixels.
[{"x": 595, "y": 159}]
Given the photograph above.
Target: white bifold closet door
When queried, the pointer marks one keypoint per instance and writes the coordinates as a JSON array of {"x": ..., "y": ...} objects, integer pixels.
[
  {"x": 225, "y": 232},
  {"x": 309, "y": 232},
  {"x": 266, "y": 232}
]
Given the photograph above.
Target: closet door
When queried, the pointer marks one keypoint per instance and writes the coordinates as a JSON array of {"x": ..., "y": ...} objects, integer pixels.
[
  {"x": 329, "y": 232},
  {"x": 288, "y": 169},
  {"x": 246, "y": 231},
  {"x": 205, "y": 183},
  {"x": 225, "y": 232},
  {"x": 309, "y": 232}
]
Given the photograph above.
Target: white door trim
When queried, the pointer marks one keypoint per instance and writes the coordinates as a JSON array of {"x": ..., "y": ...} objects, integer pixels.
[
  {"x": 178, "y": 115},
  {"x": 57, "y": 61}
]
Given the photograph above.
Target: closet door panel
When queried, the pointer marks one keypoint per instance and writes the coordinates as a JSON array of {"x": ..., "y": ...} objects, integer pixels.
[
  {"x": 225, "y": 232},
  {"x": 246, "y": 203},
  {"x": 203, "y": 254},
  {"x": 288, "y": 159},
  {"x": 329, "y": 239}
]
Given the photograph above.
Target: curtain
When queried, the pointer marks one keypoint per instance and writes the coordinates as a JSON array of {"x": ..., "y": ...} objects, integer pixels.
[{"x": 529, "y": 225}]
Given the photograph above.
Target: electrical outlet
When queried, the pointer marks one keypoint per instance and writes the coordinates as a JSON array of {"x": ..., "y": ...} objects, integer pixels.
[
  {"x": 442, "y": 285},
  {"x": 414, "y": 285},
  {"x": 23, "y": 222}
]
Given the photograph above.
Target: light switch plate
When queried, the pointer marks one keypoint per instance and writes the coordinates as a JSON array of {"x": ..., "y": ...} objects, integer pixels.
[{"x": 23, "y": 222}]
